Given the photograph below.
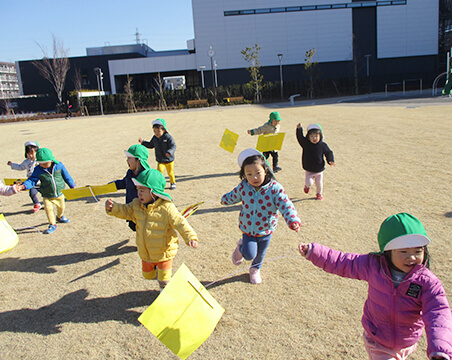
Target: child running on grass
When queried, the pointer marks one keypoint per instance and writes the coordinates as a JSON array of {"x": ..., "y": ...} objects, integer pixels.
[
  {"x": 137, "y": 160},
  {"x": 404, "y": 296},
  {"x": 314, "y": 149},
  {"x": 165, "y": 147},
  {"x": 270, "y": 127},
  {"x": 53, "y": 175},
  {"x": 31, "y": 147},
  {"x": 261, "y": 197},
  {"x": 157, "y": 220}
]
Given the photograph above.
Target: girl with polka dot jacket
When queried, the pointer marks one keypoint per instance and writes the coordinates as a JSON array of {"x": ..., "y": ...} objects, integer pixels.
[{"x": 262, "y": 199}]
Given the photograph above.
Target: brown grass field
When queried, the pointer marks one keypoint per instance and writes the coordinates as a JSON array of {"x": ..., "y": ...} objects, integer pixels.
[{"x": 77, "y": 293}]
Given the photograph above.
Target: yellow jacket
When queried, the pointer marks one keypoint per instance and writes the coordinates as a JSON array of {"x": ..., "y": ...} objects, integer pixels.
[{"x": 156, "y": 228}]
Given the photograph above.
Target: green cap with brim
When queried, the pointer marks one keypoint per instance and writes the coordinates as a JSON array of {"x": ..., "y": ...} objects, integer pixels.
[
  {"x": 155, "y": 181},
  {"x": 402, "y": 231},
  {"x": 141, "y": 153},
  {"x": 160, "y": 122},
  {"x": 274, "y": 115},
  {"x": 44, "y": 155}
]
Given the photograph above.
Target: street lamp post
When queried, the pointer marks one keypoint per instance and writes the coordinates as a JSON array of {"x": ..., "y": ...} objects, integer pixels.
[
  {"x": 202, "y": 75},
  {"x": 367, "y": 63},
  {"x": 211, "y": 53},
  {"x": 215, "y": 69},
  {"x": 100, "y": 85},
  {"x": 280, "y": 75}
]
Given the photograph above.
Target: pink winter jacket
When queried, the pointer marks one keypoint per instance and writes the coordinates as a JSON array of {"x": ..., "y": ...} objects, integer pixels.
[
  {"x": 394, "y": 317},
  {"x": 7, "y": 190}
]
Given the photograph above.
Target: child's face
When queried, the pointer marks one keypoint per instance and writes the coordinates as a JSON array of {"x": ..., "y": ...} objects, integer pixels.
[
  {"x": 314, "y": 138},
  {"x": 158, "y": 130},
  {"x": 144, "y": 194},
  {"x": 45, "y": 165},
  {"x": 31, "y": 154},
  {"x": 132, "y": 162},
  {"x": 275, "y": 122},
  {"x": 406, "y": 259},
  {"x": 255, "y": 174}
]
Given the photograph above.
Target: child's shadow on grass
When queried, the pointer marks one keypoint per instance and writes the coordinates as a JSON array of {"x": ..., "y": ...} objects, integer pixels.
[
  {"x": 245, "y": 278},
  {"x": 75, "y": 308},
  {"x": 45, "y": 265}
]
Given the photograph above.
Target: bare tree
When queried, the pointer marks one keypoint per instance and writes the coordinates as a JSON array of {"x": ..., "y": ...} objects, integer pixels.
[
  {"x": 128, "y": 89},
  {"x": 310, "y": 68},
  {"x": 54, "y": 69},
  {"x": 251, "y": 55},
  {"x": 162, "y": 101}
]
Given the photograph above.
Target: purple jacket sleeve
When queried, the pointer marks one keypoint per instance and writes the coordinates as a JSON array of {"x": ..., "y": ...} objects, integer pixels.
[{"x": 349, "y": 265}]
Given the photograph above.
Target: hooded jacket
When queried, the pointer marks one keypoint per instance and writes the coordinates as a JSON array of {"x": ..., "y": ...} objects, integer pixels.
[
  {"x": 394, "y": 317},
  {"x": 52, "y": 180},
  {"x": 267, "y": 128},
  {"x": 157, "y": 223},
  {"x": 259, "y": 212},
  {"x": 312, "y": 158},
  {"x": 164, "y": 144}
]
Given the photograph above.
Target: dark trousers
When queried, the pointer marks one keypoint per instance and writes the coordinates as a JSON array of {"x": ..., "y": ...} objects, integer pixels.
[{"x": 274, "y": 154}]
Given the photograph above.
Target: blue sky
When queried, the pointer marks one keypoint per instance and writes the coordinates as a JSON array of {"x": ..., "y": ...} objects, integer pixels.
[{"x": 163, "y": 25}]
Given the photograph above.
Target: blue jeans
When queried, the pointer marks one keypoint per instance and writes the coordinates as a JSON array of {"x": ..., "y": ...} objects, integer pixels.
[{"x": 255, "y": 248}]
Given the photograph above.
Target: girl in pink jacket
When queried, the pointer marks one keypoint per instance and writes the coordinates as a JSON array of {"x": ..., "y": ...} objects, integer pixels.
[
  {"x": 404, "y": 296},
  {"x": 8, "y": 190}
]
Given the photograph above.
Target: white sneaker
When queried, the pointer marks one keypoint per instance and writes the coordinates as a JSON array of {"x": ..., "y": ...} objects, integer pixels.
[
  {"x": 237, "y": 257},
  {"x": 255, "y": 276}
]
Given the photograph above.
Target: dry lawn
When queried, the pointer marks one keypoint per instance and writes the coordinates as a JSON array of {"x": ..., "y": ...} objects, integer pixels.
[{"x": 77, "y": 293}]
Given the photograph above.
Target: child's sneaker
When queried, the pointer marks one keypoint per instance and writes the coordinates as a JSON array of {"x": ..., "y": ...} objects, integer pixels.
[
  {"x": 276, "y": 168},
  {"x": 173, "y": 186},
  {"x": 50, "y": 229},
  {"x": 306, "y": 189},
  {"x": 319, "y": 197},
  {"x": 255, "y": 276},
  {"x": 237, "y": 257},
  {"x": 63, "y": 219},
  {"x": 36, "y": 207}
]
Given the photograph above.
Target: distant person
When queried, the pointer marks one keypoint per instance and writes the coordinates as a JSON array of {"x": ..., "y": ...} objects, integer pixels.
[
  {"x": 314, "y": 151},
  {"x": 137, "y": 160},
  {"x": 157, "y": 220},
  {"x": 29, "y": 164},
  {"x": 270, "y": 127},
  {"x": 261, "y": 198},
  {"x": 404, "y": 296},
  {"x": 53, "y": 175},
  {"x": 165, "y": 147},
  {"x": 68, "y": 110}
]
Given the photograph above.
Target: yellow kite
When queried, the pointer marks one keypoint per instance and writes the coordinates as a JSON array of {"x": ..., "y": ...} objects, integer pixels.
[
  {"x": 8, "y": 237},
  {"x": 270, "y": 142},
  {"x": 184, "y": 314},
  {"x": 13, "y": 181},
  {"x": 229, "y": 140},
  {"x": 78, "y": 193}
]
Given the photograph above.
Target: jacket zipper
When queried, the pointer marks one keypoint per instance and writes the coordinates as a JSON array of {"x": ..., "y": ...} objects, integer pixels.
[{"x": 53, "y": 180}]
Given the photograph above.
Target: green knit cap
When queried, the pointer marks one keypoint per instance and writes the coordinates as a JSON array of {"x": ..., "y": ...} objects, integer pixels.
[
  {"x": 160, "y": 122},
  {"x": 274, "y": 116},
  {"x": 44, "y": 155},
  {"x": 402, "y": 231},
  {"x": 141, "y": 153},
  {"x": 154, "y": 180}
]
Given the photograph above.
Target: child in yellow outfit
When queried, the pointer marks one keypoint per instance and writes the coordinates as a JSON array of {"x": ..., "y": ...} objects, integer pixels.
[{"x": 157, "y": 220}]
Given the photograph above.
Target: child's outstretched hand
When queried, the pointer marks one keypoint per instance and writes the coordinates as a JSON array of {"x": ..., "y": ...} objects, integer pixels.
[
  {"x": 109, "y": 205},
  {"x": 295, "y": 227},
  {"x": 9, "y": 163},
  {"x": 332, "y": 163},
  {"x": 140, "y": 140},
  {"x": 194, "y": 244},
  {"x": 298, "y": 125},
  {"x": 303, "y": 249},
  {"x": 249, "y": 132}
]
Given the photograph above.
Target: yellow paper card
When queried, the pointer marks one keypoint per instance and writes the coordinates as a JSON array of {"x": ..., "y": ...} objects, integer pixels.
[
  {"x": 270, "y": 142},
  {"x": 229, "y": 140},
  {"x": 13, "y": 181},
  {"x": 8, "y": 237},
  {"x": 184, "y": 314},
  {"x": 88, "y": 191}
]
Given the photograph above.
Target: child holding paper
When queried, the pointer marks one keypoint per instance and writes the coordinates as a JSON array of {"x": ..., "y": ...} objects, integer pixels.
[
  {"x": 403, "y": 296},
  {"x": 314, "y": 149},
  {"x": 53, "y": 175},
  {"x": 31, "y": 147},
  {"x": 270, "y": 127},
  {"x": 157, "y": 220},
  {"x": 262, "y": 198},
  {"x": 165, "y": 147},
  {"x": 137, "y": 160}
]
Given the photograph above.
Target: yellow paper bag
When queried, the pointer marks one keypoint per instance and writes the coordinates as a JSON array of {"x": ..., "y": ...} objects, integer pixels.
[
  {"x": 13, "y": 181},
  {"x": 8, "y": 237},
  {"x": 184, "y": 314},
  {"x": 87, "y": 191},
  {"x": 229, "y": 140},
  {"x": 270, "y": 142}
]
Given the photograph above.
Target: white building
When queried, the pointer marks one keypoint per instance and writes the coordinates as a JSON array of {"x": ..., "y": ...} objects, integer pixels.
[{"x": 9, "y": 86}]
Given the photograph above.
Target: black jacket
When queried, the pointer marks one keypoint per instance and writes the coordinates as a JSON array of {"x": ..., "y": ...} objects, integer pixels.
[
  {"x": 164, "y": 144},
  {"x": 312, "y": 158}
]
